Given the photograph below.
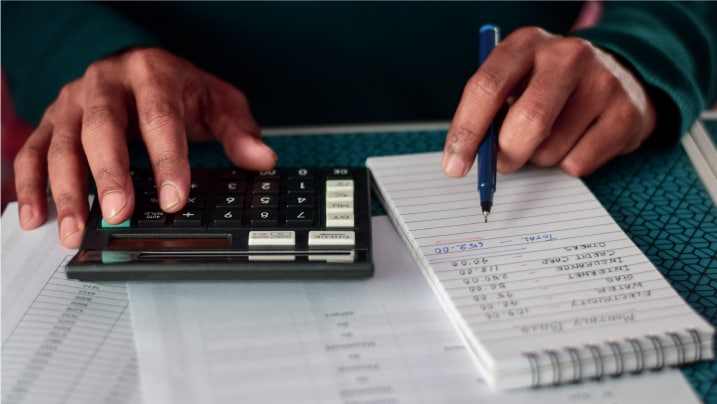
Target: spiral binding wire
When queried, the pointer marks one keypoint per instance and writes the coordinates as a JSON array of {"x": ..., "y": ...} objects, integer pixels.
[{"x": 614, "y": 350}]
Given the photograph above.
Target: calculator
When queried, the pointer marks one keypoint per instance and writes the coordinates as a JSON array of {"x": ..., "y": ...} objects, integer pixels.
[{"x": 285, "y": 223}]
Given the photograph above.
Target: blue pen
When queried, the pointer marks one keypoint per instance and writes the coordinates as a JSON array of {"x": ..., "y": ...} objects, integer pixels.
[{"x": 488, "y": 150}]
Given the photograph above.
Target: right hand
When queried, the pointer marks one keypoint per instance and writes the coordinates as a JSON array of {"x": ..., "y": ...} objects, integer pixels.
[{"x": 148, "y": 93}]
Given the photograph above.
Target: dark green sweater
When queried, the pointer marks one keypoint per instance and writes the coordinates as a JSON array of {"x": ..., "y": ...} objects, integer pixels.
[{"x": 343, "y": 62}]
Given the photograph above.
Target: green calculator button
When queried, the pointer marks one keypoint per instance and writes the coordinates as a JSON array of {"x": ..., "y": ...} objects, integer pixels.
[{"x": 106, "y": 225}]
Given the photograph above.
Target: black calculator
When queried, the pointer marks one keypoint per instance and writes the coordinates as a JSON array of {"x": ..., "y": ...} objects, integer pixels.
[{"x": 285, "y": 223}]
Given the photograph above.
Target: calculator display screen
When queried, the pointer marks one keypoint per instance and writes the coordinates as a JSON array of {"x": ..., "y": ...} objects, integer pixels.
[{"x": 169, "y": 242}]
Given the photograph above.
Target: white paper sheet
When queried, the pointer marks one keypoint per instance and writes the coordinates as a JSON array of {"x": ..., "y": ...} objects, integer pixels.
[
  {"x": 382, "y": 340},
  {"x": 63, "y": 341}
]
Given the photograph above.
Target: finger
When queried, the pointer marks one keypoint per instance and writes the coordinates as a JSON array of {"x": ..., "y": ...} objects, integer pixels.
[
  {"x": 604, "y": 140},
  {"x": 31, "y": 177},
  {"x": 161, "y": 123},
  {"x": 104, "y": 125},
  {"x": 580, "y": 111},
  {"x": 483, "y": 96},
  {"x": 530, "y": 120},
  {"x": 68, "y": 175},
  {"x": 234, "y": 126}
]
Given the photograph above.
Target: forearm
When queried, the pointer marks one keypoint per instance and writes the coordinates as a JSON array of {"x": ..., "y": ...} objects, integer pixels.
[
  {"x": 672, "y": 48},
  {"x": 46, "y": 45}
]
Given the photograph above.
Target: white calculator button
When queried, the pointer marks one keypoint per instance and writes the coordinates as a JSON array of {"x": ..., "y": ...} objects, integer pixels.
[
  {"x": 272, "y": 238},
  {"x": 339, "y": 196},
  {"x": 340, "y": 185},
  {"x": 344, "y": 257},
  {"x": 331, "y": 238},
  {"x": 339, "y": 206},
  {"x": 339, "y": 219}
]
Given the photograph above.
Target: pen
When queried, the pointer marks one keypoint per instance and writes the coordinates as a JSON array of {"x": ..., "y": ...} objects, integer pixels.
[{"x": 487, "y": 155}]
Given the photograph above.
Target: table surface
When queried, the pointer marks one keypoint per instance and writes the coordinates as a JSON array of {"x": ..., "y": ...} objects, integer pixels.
[{"x": 654, "y": 195}]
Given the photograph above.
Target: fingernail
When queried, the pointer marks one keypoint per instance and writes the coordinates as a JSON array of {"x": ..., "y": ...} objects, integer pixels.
[
  {"x": 68, "y": 229},
  {"x": 454, "y": 166},
  {"x": 112, "y": 203},
  {"x": 168, "y": 196},
  {"x": 26, "y": 214},
  {"x": 268, "y": 149}
]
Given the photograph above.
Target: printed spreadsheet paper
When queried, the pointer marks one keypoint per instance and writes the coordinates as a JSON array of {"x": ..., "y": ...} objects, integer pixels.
[
  {"x": 63, "y": 341},
  {"x": 550, "y": 289},
  {"x": 380, "y": 340}
]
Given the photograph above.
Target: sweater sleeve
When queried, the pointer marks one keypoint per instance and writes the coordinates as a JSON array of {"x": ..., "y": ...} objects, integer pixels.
[
  {"x": 45, "y": 45},
  {"x": 672, "y": 47}
]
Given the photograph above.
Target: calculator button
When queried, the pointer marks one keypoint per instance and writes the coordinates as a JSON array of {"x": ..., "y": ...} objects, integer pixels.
[
  {"x": 299, "y": 173},
  {"x": 339, "y": 206},
  {"x": 231, "y": 187},
  {"x": 195, "y": 202},
  {"x": 272, "y": 238},
  {"x": 106, "y": 225},
  {"x": 197, "y": 187},
  {"x": 300, "y": 186},
  {"x": 343, "y": 257},
  {"x": 339, "y": 196},
  {"x": 151, "y": 218},
  {"x": 264, "y": 201},
  {"x": 230, "y": 201},
  {"x": 150, "y": 200},
  {"x": 227, "y": 217},
  {"x": 232, "y": 174},
  {"x": 331, "y": 238},
  {"x": 188, "y": 218},
  {"x": 264, "y": 217},
  {"x": 299, "y": 200},
  {"x": 268, "y": 174},
  {"x": 345, "y": 185},
  {"x": 339, "y": 219},
  {"x": 265, "y": 187},
  {"x": 300, "y": 217}
]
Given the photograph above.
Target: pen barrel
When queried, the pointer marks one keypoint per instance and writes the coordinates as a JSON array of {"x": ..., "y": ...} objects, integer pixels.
[
  {"x": 487, "y": 159},
  {"x": 488, "y": 39}
]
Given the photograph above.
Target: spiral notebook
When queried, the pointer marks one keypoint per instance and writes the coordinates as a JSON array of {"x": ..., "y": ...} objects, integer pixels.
[{"x": 550, "y": 290}]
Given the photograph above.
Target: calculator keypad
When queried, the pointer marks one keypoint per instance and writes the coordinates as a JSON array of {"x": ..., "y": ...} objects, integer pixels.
[{"x": 281, "y": 198}]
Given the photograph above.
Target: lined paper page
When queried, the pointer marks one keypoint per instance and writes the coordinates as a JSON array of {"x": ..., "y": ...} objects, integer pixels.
[{"x": 549, "y": 282}]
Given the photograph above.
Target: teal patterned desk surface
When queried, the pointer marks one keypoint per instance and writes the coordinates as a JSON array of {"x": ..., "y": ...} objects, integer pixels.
[{"x": 678, "y": 234}]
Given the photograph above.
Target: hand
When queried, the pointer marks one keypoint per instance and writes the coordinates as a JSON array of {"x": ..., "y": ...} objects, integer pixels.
[
  {"x": 570, "y": 104},
  {"x": 141, "y": 92}
]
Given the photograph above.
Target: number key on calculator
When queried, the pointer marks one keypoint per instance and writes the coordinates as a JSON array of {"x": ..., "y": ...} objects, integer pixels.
[{"x": 286, "y": 223}]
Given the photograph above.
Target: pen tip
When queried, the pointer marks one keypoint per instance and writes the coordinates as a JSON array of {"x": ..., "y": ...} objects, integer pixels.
[{"x": 485, "y": 215}]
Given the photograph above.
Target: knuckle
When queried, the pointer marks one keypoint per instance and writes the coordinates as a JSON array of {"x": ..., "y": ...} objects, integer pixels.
[
  {"x": 533, "y": 118},
  {"x": 63, "y": 146},
  {"x": 544, "y": 158},
  {"x": 107, "y": 178},
  {"x": 28, "y": 156},
  {"x": 575, "y": 167},
  {"x": 574, "y": 50},
  {"x": 486, "y": 83},
  {"x": 97, "y": 115},
  {"x": 65, "y": 200},
  {"x": 529, "y": 34},
  {"x": 462, "y": 135},
  {"x": 28, "y": 189},
  {"x": 168, "y": 163},
  {"x": 158, "y": 113}
]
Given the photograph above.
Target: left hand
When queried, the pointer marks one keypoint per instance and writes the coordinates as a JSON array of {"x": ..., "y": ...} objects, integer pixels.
[{"x": 570, "y": 104}]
